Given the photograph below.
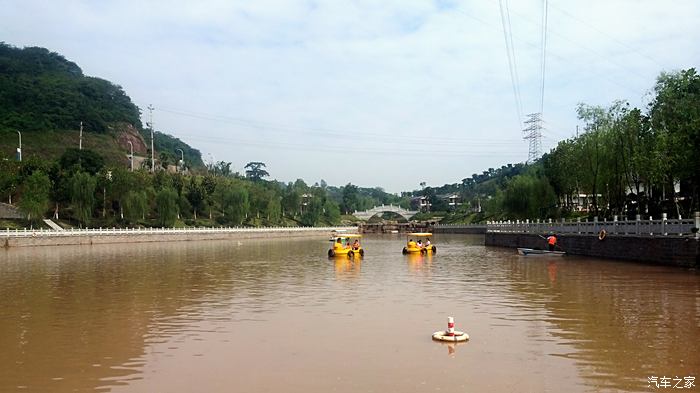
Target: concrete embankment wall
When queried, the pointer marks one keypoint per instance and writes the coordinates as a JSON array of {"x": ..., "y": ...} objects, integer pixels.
[
  {"x": 665, "y": 250},
  {"x": 111, "y": 238}
]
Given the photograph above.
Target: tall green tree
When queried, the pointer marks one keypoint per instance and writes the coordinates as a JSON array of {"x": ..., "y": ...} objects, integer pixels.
[
  {"x": 75, "y": 160},
  {"x": 136, "y": 205},
  {"x": 167, "y": 206},
  {"x": 675, "y": 114},
  {"x": 331, "y": 212},
  {"x": 35, "y": 195},
  {"x": 82, "y": 192},
  {"x": 233, "y": 201},
  {"x": 255, "y": 171}
]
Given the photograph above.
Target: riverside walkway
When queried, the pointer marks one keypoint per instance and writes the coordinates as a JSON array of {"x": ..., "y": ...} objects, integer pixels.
[{"x": 44, "y": 237}]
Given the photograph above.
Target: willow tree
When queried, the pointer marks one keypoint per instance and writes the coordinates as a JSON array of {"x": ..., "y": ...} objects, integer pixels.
[
  {"x": 135, "y": 205},
  {"x": 167, "y": 206},
  {"x": 82, "y": 194}
]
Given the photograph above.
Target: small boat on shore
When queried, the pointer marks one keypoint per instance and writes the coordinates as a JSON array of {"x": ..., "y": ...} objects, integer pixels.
[{"x": 536, "y": 252}]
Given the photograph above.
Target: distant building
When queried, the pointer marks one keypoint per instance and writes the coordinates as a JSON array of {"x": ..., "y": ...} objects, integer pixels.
[
  {"x": 305, "y": 200},
  {"x": 421, "y": 203},
  {"x": 452, "y": 200}
]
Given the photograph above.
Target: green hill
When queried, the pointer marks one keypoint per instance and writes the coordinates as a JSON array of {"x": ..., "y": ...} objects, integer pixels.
[{"x": 46, "y": 97}]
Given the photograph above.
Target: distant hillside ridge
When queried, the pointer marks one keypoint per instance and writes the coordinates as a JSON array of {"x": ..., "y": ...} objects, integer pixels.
[{"x": 46, "y": 97}]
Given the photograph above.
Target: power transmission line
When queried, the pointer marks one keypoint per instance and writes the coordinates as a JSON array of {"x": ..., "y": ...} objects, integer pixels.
[
  {"x": 544, "y": 52},
  {"x": 510, "y": 52},
  {"x": 332, "y": 133},
  {"x": 608, "y": 36}
]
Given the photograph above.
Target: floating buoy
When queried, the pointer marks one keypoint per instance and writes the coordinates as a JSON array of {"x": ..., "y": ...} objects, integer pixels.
[
  {"x": 450, "y": 335},
  {"x": 602, "y": 234}
]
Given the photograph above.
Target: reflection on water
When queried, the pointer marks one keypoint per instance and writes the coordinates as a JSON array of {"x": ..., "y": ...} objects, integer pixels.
[{"x": 279, "y": 315}]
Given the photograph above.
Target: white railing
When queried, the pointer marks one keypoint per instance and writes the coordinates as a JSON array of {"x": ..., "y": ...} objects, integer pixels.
[
  {"x": 637, "y": 227},
  {"x": 461, "y": 226},
  {"x": 157, "y": 231}
]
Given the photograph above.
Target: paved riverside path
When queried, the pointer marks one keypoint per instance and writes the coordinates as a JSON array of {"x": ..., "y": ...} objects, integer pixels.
[{"x": 41, "y": 237}]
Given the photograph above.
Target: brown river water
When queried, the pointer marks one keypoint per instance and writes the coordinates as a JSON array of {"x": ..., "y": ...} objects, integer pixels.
[{"x": 279, "y": 316}]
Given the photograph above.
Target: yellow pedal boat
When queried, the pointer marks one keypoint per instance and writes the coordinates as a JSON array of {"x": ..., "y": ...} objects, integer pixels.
[
  {"x": 343, "y": 248},
  {"x": 422, "y": 246}
]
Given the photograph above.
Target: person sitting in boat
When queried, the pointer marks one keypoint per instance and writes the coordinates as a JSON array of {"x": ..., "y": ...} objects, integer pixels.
[
  {"x": 356, "y": 245},
  {"x": 347, "y": 244},
  {"x": 427, "y": 243},
  {"x": 338, "y": 245},
  {"x": 551, "y": 242},
  {"x": 420, "y": 244},
  {"x": 411, "y": 244}
]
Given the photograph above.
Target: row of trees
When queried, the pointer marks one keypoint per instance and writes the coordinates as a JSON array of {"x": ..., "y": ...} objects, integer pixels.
[
  {"x": 625, "y": 162},
  {"x": 80, "y": 187},
  {"x": 630, "y": 161}
]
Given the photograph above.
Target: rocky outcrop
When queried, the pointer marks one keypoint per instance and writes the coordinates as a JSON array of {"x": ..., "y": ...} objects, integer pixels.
[{"x": 125, "y": 133}]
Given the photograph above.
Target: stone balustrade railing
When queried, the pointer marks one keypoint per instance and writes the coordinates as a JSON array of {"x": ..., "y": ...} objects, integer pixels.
[
  {"x": 157, "y": 231},
  {"x": 640, "y": 226}
]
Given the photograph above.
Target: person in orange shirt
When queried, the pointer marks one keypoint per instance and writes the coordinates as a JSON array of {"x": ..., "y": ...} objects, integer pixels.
[{"x": 551, "y": 242}]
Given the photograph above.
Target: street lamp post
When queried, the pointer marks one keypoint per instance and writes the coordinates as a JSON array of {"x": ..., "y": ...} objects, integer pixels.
[
  {"x": 131, "y": 157},
  {"x": 153, "y": 159},
  {"x": 182, "y": 160},
  {"x": 19, "y": 149}
]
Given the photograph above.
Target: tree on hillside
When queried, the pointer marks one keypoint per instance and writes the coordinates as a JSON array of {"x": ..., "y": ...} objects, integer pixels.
[
  {"x": 351, "y": 198},
  {"x": 291, "y": 200},
  {"x": 196, "y": 195},
  {"x": 331, "y": 212},
  {"x": 274, "y": 209},
  {"x": 167, "y": 206},
  {"x": 136, "y": 205},
  {"x": 82, "y": 193},
  {"x": 32, "y": 82},
  {"x": 220, "y": 168},
  {"x": 75, "y": 160},
  {"x": 233, "y": 201},
  {"x": 255, "y": 171},
  {"x": 312, "y": 212},
  {"x": 35, "y": 195},
  {"x": 9, "y": 179}
]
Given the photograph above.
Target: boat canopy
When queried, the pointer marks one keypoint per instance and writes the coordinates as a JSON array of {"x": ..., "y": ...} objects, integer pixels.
[
  {"x": 348, "y": 236},
  {"x": 419, "y": 234}
]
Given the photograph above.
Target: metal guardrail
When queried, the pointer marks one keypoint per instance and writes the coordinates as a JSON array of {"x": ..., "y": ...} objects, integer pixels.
[
  {"x": 156, "y": 231},
  {"x": 638, "y": 227}
]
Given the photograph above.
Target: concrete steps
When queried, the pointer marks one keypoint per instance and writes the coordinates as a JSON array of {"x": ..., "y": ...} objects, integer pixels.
[{"x": 53, "y": 225}]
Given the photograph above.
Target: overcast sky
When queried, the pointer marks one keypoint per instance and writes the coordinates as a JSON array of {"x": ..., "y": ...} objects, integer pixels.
[{"x": 385, "y": 93}]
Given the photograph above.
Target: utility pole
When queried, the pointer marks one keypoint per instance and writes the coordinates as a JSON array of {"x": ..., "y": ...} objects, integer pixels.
[
  {"x": 80, "y": 143},
  {"x": 19, "y": 149},
  {"x": 533, "y": 133},
  {"x": 131, "y": 157},
  {"x": 153, "y": 160}
]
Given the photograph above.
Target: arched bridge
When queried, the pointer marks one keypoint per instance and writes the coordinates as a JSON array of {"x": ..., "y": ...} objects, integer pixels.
[{"x": 367, "y": 214}]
